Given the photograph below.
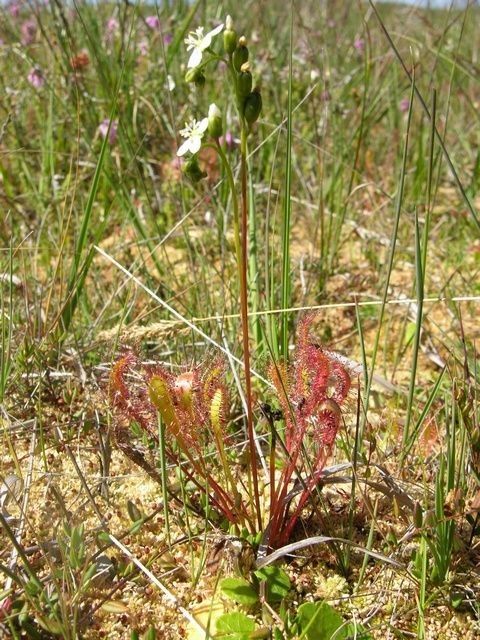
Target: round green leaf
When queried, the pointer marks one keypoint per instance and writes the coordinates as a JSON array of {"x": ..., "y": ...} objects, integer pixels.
[{"x": 239, "y": 590}]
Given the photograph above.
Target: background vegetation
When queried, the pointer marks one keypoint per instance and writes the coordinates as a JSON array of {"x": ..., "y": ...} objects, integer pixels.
[{"x": 363, "y": 194}]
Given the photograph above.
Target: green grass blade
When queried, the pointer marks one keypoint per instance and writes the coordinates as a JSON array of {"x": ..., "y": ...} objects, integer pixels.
[
  {"x": 418, "y": 332},
  {"x": 439, "y": 138},
  {"x": 393, "y": 242},
  {"x": 287, "y": 205}
]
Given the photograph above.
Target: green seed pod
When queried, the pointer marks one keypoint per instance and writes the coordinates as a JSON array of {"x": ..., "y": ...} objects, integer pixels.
[
  {"x": 200, "y": 81},
  {"x": 244, "y": 82},
  {"x": 215, "y": 124},
  {"x": 195, "y": 75},
  {"x": 240, "y": 55},
  {"x": 229, "y": 37},
  {"x": 252, "y": 106},
  {"x": 192, "y": 170}
]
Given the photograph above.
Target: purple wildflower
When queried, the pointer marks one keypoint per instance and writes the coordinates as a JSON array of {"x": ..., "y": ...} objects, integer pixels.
[
  {"x": 404, "y": 105},
  {"x": 153, "y": 22},
  {"x": 36, "y": 78},
  {"x": 167, "y": 39},
  {"x": 103, "y": 130}
]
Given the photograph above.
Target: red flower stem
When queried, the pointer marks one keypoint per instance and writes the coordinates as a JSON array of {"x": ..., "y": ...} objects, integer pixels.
[{"x": 273, "y": 488}]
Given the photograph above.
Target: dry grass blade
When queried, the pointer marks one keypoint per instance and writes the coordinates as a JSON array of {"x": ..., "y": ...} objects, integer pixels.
[
  {"x": 175, "y": 313},
  {"x": 294, "y": 547}
]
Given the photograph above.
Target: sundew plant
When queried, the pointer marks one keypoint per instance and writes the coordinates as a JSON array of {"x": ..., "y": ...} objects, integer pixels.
[{"x": 239, "y": 267}]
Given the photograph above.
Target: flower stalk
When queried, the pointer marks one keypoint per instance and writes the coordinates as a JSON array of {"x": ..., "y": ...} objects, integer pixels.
[{"x": 245, "y": 327}]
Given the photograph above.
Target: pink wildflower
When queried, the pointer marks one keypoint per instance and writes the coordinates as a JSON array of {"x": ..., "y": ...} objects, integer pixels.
[
  {"x": 167, "y": 39},
  {"x": 143, "y": 47},
  {"x": 177, "y": 162},
  {"x": 153, "y": 22},
  {"x": 229, "y": 140},
  {"x": 14, "y": 9},
  {"x": 359, "y": 44},
  {"x": 29, "y": 31},
  {"x": 36, "y": 78},
  {"x": 112, "y": 25},
  {"x": 404, "y": 105},
  {"x": 103, "y": 130}
]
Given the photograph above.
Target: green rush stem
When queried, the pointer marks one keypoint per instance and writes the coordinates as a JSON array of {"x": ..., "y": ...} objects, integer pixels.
[
  {"x": 236, "y": 214},
  {"x": 244, "y": 312},
  {"x": 241, "y": 239}
]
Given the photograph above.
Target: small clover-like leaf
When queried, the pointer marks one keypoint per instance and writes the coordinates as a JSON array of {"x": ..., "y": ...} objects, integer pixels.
[
  {"x": 235, "y": 626},
  {"x": 239, "y": 590},
  {"x": 320, "y": 621},
  {"x": 277, "y": 581}
]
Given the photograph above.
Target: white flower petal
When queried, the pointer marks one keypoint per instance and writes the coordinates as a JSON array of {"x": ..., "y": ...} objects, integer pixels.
[
  {"x": 195, "y": 59},
  {"x": 182, "y": 150},
  {"x": 201, "y": 126},
  {"x": 215, "y": 31},
  {"x": 206, "y": 42},
  {"x": 195, "y": 144}
]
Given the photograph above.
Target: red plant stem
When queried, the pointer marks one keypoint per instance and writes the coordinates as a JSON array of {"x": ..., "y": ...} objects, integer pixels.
[
  {"x": 244, "y": 317},
  {"x": 305, "y": 495},
  {"x": 273, "y": 488},
  {"x": 279, "y": 513},
  {"x": 222, "y": 499},
  {"x": 224, "y": 508}
]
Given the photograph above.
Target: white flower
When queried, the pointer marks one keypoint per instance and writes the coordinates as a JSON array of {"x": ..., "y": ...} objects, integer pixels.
[
  {"x": 170, "y": 84},
  {"x": 198, "y": 42},
  {"x": 214, "y": 111},
  {"x": 193, "y": 133}
]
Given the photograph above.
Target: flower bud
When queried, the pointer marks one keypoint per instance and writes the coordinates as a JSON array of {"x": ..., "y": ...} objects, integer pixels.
[
  {"x": 252, "y": 106},
  {"x": 244, "y": 82},
  {"x": 183, "y": 387},
  {"x": 192, "y": 170},
  {"x": 229, "y": 36},
  {"x": 215, "y": 124},
  {"x": 240, "y": 55},
  {"x": 195, "y": 75}
]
